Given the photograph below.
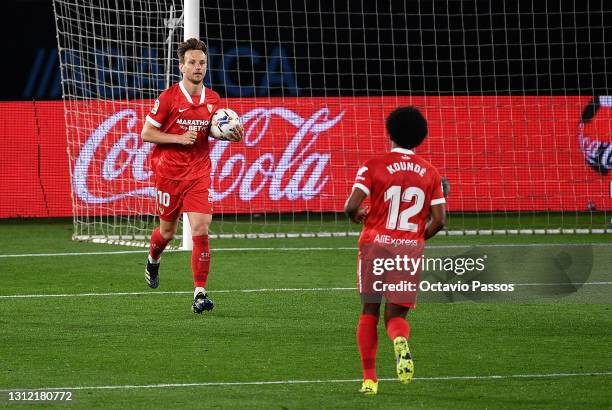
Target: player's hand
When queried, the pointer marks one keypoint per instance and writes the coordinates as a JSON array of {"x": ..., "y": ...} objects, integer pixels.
[
  {"x": 360, "y": 215},
  {"x": 236, "y": 133},
  {"x": 445, "y": 187},
  {"x": 188, "y": 138}
]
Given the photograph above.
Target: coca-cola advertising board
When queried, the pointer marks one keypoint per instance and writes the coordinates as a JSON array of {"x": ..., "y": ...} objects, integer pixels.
[{"x": 498, "y": 153}]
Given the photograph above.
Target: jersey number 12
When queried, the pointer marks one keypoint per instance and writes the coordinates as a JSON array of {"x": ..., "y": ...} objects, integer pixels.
[{"x": 401, "y": 221}]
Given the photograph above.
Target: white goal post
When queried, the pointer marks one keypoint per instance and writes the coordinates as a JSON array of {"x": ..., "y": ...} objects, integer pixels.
[{"x": 192, "y": 29}]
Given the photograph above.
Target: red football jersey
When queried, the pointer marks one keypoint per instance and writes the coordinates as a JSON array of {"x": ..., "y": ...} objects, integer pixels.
[
  {"x": 175, "y": 112},
  {"x": 402, "y": 186}
]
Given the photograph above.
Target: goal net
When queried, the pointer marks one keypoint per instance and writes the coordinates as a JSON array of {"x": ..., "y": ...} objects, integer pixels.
[{"x": 516, "y": 94}]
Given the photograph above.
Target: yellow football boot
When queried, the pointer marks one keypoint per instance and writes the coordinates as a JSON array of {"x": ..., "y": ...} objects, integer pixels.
[
  {"x": 369, "y": 387},
  {"x": 405, "y": 365}
]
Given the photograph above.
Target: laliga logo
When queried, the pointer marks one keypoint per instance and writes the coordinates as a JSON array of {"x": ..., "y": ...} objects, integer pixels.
[
  {"x": 597, "y": 153},
  {"x": 130, "y": 151}
]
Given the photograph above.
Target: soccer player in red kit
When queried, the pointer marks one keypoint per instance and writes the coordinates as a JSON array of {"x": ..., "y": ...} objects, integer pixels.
[
  {"x": 178, "y": 125},
  {"x": 407, "y": 207}
]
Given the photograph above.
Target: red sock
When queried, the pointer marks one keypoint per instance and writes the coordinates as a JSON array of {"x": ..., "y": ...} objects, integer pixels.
[
  {"x": 200, "y": 260},
  {"x": 398, "y": 326},
  {"x": 158, "y": 244},
  {"x": 367, "y": 340}
]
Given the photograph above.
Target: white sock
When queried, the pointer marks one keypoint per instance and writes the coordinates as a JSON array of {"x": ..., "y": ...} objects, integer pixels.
[
  {"x": 151, "y": 260},
  {"x": 198, "y": 290}
]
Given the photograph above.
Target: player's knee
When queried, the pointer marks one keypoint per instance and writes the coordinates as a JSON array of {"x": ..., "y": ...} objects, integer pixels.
[
  {"x": 392, "y": 311},
  {"x": 200, "y": 229},
  {"x": 167, "y": 234},
  {"x": 370, "y": 309},
  {"x": 388, "y": 317}
]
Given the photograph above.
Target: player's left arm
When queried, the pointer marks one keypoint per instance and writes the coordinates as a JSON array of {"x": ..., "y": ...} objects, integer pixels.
[
  {"x": 353, "y": 208},
  {"x": 437, "y": 210},
  {"x": 437, "y": 221}
]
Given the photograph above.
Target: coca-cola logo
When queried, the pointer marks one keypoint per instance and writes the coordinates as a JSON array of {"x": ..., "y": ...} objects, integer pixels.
[
  {"x": 126, "y": 152},
  {"x": 297, "y": 173},
  {"x": 295, "y": 170},
  {"x": 595, "y": 134}
]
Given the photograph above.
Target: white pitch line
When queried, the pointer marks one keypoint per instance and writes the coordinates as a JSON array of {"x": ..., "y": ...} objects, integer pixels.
[
  {"x": 308, "y": 249},
  {"x": 154, "y": 293},
  {"x": 159, "y": 293},
  {"x": 282, "y": 382},
  {"x": 144, "y": 251}
]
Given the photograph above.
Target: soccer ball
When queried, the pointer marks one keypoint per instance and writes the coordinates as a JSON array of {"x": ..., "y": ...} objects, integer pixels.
[{"x": 223, "y": 121}]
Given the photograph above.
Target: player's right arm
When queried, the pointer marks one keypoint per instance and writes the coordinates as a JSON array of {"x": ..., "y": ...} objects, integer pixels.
[
  {"x": 150, "y": 133},
  {"x": 353, "y": 208},
  {"x": 361, "y": 190},
  {"x": 151, "y": 130}
]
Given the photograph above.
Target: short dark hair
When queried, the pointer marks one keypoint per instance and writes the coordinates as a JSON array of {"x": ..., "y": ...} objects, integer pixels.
[
  {"x": 190, "y": 44},
  {"x": 407, "y": 127}
]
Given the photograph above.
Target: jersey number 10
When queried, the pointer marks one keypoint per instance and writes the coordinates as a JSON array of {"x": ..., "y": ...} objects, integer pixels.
[{"x": 401, "y": 221}]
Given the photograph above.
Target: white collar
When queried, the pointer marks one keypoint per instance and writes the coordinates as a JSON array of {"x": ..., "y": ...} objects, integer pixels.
[
  {"x": 186, "y": 94},
  {"x": 403, "y": 151}
]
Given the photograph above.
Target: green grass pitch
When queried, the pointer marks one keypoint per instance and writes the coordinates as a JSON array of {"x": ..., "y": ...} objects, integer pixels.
[{"x": 283, "y": 344}]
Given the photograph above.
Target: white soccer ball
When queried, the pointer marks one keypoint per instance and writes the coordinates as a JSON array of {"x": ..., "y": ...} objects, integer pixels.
[{"x": 223, "y": 122}]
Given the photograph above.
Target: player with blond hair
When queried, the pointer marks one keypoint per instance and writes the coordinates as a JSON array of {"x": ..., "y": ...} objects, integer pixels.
[{"x": 178, "y": 125}]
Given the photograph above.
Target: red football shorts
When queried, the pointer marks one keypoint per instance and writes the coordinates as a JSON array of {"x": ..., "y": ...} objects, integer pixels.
[
  {"x": 175, "y": 197},
  {"x": 389, "y": 273}
]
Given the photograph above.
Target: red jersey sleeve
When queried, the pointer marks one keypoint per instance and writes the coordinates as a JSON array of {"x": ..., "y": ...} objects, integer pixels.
[
  {"x": 363, "y": 179},
  {"x": 160, "y": 111},
  {"x": 437, "y": 196}
]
